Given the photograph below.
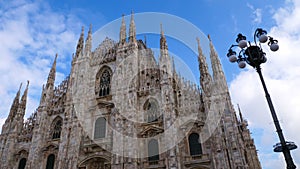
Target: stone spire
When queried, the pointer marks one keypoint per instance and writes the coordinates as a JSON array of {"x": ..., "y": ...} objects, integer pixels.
[
  {"x": 173, "y": 66},
  {"x": 19, "y": 119},
  {"x": 163, "y": 41},
  {"x": 218, "y": 74},
  {"x": 23, "y": 102},
  {"x": 51, "y": 76},
  {"x": 123, "y": 31},
  {"x": 88, "y": 41},
  {"x": 80, "y": 44},
  {"x": 15, "y": 105},
  {"x": 205, "y": 77},
  {"x": 132, "y": 32},
  {"x": 6, "y": 128},
  {"x": 164, "y": 60}
]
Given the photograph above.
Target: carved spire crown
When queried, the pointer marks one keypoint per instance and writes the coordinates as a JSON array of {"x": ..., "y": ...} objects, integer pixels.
[
  {"x": 218, "y": 74},
  {"x": 52, "y": 73},
  {"x": 88, "y": 41},
  {"x": 163, "y": 41},
  {"x": 15, "y": 105},
  {"x": 123, "y": 31},
  {"x": 132, "y": 31},
  {"x": 80, "y": 43},
  {"x": 205, "y": 77}
]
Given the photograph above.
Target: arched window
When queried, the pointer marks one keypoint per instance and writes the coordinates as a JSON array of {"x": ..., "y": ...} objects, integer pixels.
[
  {"x": 56, "y": 128},
  {"x": 152, "y": 111},
  {"x": 22, "y": 163},
  {"x": 153, "y": 150},
  {"x": 105, "y": 83},
  {"x": 50, "y": 161},
  {"x": 100, "y": 128},
  {"x": 195, "y": 146}
]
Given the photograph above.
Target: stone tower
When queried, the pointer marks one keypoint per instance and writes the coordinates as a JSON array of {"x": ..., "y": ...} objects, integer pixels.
[{"x": 122, "y": 108}]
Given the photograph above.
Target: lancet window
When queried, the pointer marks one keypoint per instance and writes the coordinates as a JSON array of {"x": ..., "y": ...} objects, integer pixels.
[
  {"x": 50, "y": 161},
  {"x": 153, "y": 150},
  {"x": 56, "y": 128},
  {"x": 100, "y": 128},
  {"x": 22, "y": 163},
  {"x": 105, "y": 83},
  {"x": 194, "y": 144},
  {"x": 152, "y": 111}
]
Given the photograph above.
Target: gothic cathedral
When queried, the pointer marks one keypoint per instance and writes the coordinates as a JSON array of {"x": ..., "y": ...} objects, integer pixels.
[{"x": 121, "y": 108}]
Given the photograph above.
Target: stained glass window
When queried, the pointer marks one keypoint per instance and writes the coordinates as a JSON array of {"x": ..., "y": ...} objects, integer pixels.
[
  {"x": 56, "y": 128},
  {"x": 152, "y": 111},
  {"x": 104, "y": 83},
  {"x": 195, "y": 146}
]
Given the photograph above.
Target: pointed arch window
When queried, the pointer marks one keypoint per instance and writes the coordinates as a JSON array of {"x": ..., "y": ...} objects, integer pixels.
[
  {"x": 153, "y": 150},
  {"x": 50, "y": 161},
  {"x": 100, "y": 128},
  {"x": 56, "y": 128},
  {"x": 194, "y": 144},
  {"x": 152, "y": 111},
  {"x": 105, "y": 79},
  {"x": 22, "y": 163}
]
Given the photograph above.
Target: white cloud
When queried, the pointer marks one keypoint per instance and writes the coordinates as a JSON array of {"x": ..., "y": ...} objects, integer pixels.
[
  {"x": 31, "y": 33},
  {"x": 282, "y": 76},
  {"x": 257, "y": 14},
  {"x": 2, "y": 120}
]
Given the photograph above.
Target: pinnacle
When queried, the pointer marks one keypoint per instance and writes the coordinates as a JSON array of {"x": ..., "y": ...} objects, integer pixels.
[
  {"x": 90, "y": 29},
  {"x": 208, "y": 36},
  {"x": 161, "y": 30},
  {"x": 27, "y": 84},
  {"x": 20, "y": 87},
  {"x": 82, "y": 30}
]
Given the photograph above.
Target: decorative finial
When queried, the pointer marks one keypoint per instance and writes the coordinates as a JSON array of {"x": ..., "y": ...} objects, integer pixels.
[
  {"x": 132, "y": 31},
  {"x": 199, "y": 46},
  {"x": 208, "y": 36},
  {"x": 198, "y": 41},
  {"x": 20, "y": 87},
  {"x": 132, "y": 16},
  {"x": 90, "y": 29},
  {"x": 161, "y": 29}
]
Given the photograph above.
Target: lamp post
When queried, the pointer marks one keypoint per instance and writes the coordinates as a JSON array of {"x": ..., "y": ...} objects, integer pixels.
[{"x": 253, "y": 55}]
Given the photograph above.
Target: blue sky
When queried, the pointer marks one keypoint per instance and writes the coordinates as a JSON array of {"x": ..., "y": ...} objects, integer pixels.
[{"x": 31, "y": 32}]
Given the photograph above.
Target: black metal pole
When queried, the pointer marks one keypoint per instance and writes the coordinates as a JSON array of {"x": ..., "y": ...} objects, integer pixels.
[{"x": 286, "y": 152}]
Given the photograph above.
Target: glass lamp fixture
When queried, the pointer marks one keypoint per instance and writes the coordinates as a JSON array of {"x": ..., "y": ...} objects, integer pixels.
[
  {"x": 273, "y": 44},
  {"x": 251, "y": 53},
  {"x": 241, "y": 40}
]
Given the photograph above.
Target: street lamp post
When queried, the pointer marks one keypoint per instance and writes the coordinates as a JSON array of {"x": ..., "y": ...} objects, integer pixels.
[{"x": 254, "y": 56}]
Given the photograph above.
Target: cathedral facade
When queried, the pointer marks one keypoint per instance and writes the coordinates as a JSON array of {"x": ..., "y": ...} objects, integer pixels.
[{"x": 121, "y": 108}]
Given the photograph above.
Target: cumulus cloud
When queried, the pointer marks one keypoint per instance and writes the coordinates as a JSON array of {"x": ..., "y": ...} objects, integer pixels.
[
  {"x": 31, "y": 33},
  {"x": 282, "y": 76}
]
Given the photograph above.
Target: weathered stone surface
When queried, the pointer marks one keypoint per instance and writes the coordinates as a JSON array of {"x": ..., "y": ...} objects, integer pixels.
[{"x": 141, "y": 100}]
